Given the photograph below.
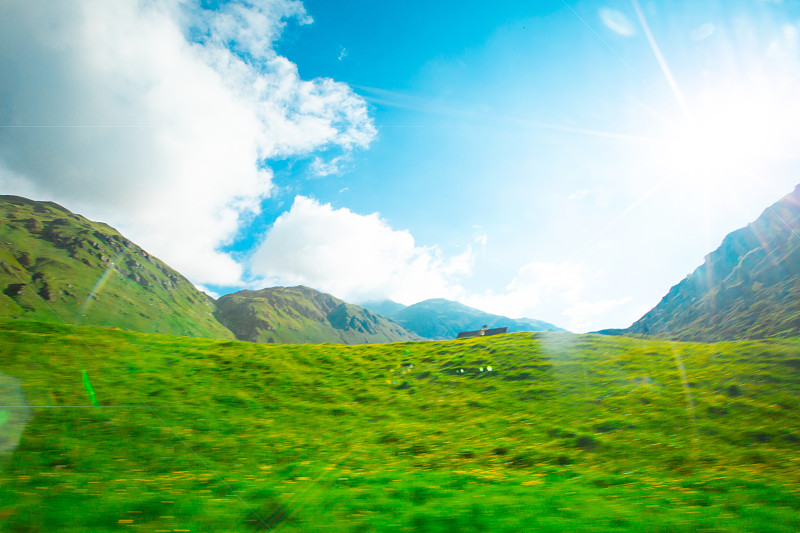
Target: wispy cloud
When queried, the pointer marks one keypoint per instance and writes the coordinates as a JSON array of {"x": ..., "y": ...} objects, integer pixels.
[
  {"x": 454, "y": 117},
  {"x": 616, "y": 22},
  {"x": 580, "y": 194},
  {"x": 582, "y": 315},
  {"x": 540, "y": 289},
  {"x": 555, "y": 291},
  {"x": 703, "y": 31},
  {"x": 331, "y": 167}
]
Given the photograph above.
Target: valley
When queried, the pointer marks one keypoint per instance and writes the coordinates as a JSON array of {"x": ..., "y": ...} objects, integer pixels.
[
  {"x": 565, "y": 430},
  {"x": 133, "y": 402}
]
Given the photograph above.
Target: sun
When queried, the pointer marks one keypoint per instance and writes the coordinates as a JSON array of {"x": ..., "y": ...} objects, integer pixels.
[
  {"x": 735, "y": 107},
  {"x": 729, "y": 133}
]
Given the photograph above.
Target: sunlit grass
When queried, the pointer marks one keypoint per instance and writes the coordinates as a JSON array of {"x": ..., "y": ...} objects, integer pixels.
[{"x": 567, "y": 432}]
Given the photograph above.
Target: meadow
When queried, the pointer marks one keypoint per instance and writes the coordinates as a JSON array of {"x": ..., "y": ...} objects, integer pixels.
[{"x": 564, "y": 433}]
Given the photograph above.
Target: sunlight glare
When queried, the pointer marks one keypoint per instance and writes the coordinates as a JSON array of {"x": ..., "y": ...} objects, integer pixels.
[{"x": 733, "y": 132}]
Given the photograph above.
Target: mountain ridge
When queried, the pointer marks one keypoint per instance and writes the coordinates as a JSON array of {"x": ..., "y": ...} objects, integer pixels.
[
  {"x": 55, "y": 263},
  {"x": 301, "y": 315},
  {"x": 748, "y": 288},
  {"x": 442, "y": 319}
]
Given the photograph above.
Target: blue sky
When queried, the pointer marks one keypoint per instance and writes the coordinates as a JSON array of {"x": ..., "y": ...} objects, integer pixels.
[{"x": 566, "y": 161}]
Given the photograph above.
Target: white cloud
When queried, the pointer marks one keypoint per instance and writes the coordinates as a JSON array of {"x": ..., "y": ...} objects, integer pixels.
[
  {"x": 550, "y": 291},
  {"x": 543, "y": 280},
  {"x": 158, "y": 118},
  {"x": 583, "y": 315},
  {"x": 539, "y": 290},
  {"x": 354, "y": 257},
  {"x": 208, "y": 291},
  {"x": 250, "y": 27},
  {"x": 617, "y": 22},
  {"x": 334, "y": 166},
  {"x": 580, "y": 194}
]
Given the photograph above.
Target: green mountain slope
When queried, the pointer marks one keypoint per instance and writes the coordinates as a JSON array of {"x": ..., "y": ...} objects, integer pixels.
[
  {"x": 442, "y": 319},
  {"x": 387, "y": 308},
  {"x": 56, "y": 265},
  {"x": 749, "y": 287},
  {"x": 299, "y": 315},
  {"x": 565, "y": 433}
]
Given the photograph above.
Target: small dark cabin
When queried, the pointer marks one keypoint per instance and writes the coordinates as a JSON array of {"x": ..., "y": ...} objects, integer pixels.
[{"x": 484, "y": 331}]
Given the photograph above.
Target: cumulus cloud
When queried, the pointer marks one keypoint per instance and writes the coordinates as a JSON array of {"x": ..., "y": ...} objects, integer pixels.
[
  {"x": 160, "y": 117},
  {"x": 208, "y": 291},
  {"x": 551, "y": 291},
  {"x": 617, "y": 22},
  {"x": 582, "y": 315},
  {"x": 536, "y": 288},
  {"x": 354, "y": 257}
]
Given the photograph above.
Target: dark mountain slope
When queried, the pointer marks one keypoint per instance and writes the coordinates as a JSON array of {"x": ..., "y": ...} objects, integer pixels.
[
  {"x": 442, "y": 319},
  {"x": 299, "y": 315},
  {"x": 56, "y": 265},
  {"x": 749, "y": 287}
]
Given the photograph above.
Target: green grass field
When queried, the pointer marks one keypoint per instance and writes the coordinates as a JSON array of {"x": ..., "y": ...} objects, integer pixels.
[{"x": 565, "y": 433}]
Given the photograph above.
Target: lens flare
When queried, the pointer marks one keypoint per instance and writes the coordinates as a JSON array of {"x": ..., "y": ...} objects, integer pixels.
[{"x": 97, "y": 288}]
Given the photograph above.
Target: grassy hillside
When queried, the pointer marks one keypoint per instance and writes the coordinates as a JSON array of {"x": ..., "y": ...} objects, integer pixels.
[
  {"x": 442, "y": 319},
  {"x": 56, "y": 265},
  {"x": 565, "y": 433},
  {"x": 749, "y": 287},
  {"x": 299, "y": 315}
]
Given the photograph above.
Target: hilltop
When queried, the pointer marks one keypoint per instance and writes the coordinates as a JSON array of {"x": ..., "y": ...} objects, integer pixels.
[{"x": 56, "y": 265}]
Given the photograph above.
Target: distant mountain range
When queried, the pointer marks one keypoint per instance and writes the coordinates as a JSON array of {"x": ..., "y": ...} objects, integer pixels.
[
  {"x": 387, "y": 308},
  {"x": 441, "y": 319},
  {"x": 296, "y": 315},
  {"x": 747, "y": 288},
  {"x": 56, "y": 265}
]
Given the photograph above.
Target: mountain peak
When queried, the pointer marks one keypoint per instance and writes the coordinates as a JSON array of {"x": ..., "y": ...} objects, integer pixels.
[{"x": 749, "y": 287}]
